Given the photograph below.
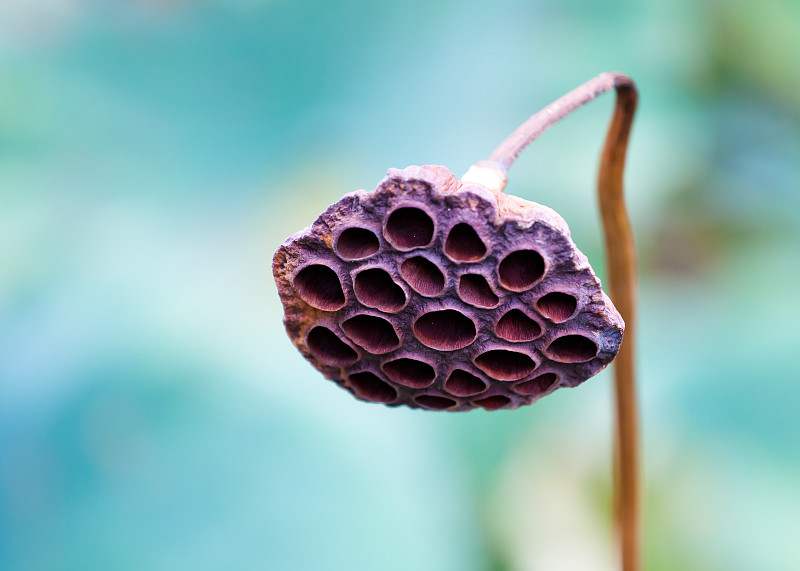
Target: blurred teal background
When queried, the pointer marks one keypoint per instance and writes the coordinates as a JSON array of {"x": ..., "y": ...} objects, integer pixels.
[{"x": 154, "y": 154}]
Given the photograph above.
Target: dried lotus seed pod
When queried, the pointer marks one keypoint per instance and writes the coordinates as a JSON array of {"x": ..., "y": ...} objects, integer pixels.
[
  {"x": 440, "y": 294},
  {"x": 446, "y": 294}
]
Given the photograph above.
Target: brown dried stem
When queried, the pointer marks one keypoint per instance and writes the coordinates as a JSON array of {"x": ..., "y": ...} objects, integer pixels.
[{"x": 621, "y": 274}]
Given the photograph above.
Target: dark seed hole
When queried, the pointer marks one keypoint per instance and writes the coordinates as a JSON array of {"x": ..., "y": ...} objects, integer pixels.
[
  {"x": 505, "y": 365},
  {"x": 572, "y": 349},
  {"x": 557, "y": 306},
  {"x": 376, "y": 288},
  {"x": 475, "y": 290},
  {"x": 357, "y": 244},
  {"x": 329, "y": 349},
  {"x": 409, "y": 228},
  {"x": 463, "y": 244},
  {"x": 516, "y": 326},
  {"x": 464, "y": 384},
  {"x": 374, "y": 334},
  {"x": 423, "y": 275},
  {"x": 446, "y": 330},
  {"x": 434, "y": 402},
  {"x": 371, "y": 387},
  {"x": 521, "y": 269},
  {"x": 410, "y": 372},
  {"x": 493, "y": 403},
  {"x": 319, "y": 286},
  {"x": 536, "y": 386}
]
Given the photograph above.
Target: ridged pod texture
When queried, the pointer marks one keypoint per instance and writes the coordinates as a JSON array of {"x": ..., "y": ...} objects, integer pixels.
[{"x": 434, "y": 294}]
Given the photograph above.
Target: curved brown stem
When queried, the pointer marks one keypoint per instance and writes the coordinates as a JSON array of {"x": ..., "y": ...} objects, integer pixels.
[
  {"x": 622, "y": 284},
  {"x": 621, "y": 274}
]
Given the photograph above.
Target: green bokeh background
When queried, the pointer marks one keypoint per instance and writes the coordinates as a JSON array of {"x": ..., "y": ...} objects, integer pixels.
[{"x": 154, "y": 154}]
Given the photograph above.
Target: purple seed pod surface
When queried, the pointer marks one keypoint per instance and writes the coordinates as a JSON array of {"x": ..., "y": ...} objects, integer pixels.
[{"x": 437, "y": 294}]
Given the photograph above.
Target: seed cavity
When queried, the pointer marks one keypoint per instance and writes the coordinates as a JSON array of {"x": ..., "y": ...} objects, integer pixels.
[
  {"x": 493, "y": 402},
  {"x": 572, "y": 349},
  {"x": 319, "y": 286},
  {"x": 446, "y": 330},
  {"x": 505, "y": 365},
  {"x": 435, "y": 402},
  {"x": 410, "y": 372},
  {"x": 475, "y": 290},
  {"x": 519, "y": 270},
  {"x": 356, "y": 244},
  {"x": 326, "y": 346},
  {"x": 423, "y": 275},
  {"x": 463, "y": 384},
  {"x": 376, "y": 288},
  {"x": 408, "y": 228},
  {"x": 557, "y": 306},
  {"x": 463, "y": 244},
  {"x": 374, "y": 334},
  {"x": 536, "y": 386},
  {"x": 371, "y": 387},
  {"x": 518, "y": 327}
]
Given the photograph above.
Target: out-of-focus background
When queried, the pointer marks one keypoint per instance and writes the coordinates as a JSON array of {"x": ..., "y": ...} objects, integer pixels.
[{"x": 154, "y": 154}]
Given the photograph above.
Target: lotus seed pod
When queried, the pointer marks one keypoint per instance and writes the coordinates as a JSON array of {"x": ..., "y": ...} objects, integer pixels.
[{"x": 440, "y": 294}]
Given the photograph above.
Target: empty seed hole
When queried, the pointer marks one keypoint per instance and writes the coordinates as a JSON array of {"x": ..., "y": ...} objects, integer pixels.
[
  {"x": 505, "y": 365},
  {"x": 463, "y": 244},
  {"x": 410, "y": 372},
  {"x": 319, "y": 286},
  {"x": 434, "y": 402},
  {"x": 475, "y": 290},
  {"x": 521, "y": 269},
  {"x": 329, "y": 349},
  {"x": 536, "y": 386},
  {"x": 557, "y": 306},
  {"x": 376, "y": 288},
  {"x": 493, "y": 403},
  {"x": 464, "y": 384},
  {"x": 446, "y": 330},
  {"x": 371, "y": 387},
  {"x": 572, "y": 349},
  {"x": 409, "y": 228},
  {"x": 374, "y": 334},
  {"x": 357, "y": 244},
  {"x": 516, "y": 326},
  {"x": 423, "y": 275}
]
